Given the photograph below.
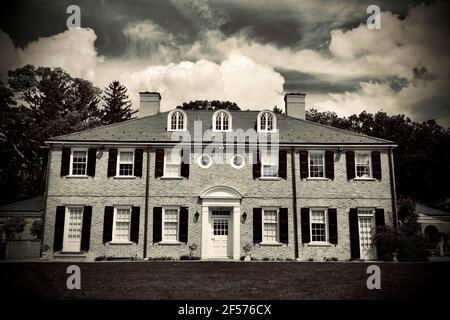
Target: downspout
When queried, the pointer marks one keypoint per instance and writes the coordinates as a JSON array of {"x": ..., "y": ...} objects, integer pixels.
[
  {"x": 294, "y": 202},
  {"x": 46, "y": 177},
  {"x": 393, "y": 189},
  {"x": 147, "y": 176}
]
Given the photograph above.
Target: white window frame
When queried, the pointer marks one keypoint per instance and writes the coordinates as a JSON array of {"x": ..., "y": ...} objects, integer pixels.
[
  {"x": 166, "y": 151},
  {"x": 327, "y": 236},
  {"x": 370, "y": 165},
  {"x": 71, "y": 162},
  {"x": 114, "y": 240},
  {"x": 118, "y": 162},
  {"x": 169, "y": 120},
  {"x": 164, "y": 208},
  {"x": 264, "y": 209},
  {"x": 274, "y": 121},
  {"x": 323, "y": 164},
  {"x": 230, "y": 121},
  {"x": 263, "y": 163}
]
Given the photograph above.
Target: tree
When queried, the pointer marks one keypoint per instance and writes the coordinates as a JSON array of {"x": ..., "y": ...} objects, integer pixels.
[
  {"x": 209, "y": 105},
  {"x": 36, "y": 104},
  {"x": 407, "y": 216},
  {"x": 13, "y": 227},
  {"x": 117, "y": 105},
  {"x": 277, "y": 110},
  {"x": 36, "y": 228}
]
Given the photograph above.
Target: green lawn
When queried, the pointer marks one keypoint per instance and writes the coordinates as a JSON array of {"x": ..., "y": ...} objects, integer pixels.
[{"x": 223, "y": 280}]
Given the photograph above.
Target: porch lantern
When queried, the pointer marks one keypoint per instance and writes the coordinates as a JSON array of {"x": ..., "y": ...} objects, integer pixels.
[
  {"x": 196, "y": 215},
  {"x": 244, "y": 216}
]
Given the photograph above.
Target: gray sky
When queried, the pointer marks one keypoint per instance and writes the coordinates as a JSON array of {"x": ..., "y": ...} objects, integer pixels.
[{"x": 250, "y": 52}]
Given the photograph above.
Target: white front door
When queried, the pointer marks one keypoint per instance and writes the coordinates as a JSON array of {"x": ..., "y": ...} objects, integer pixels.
[
  {"x": 72, "y": 229},
  {"x": 366, "y": 231},
  {"x": 220, "y": 226}
]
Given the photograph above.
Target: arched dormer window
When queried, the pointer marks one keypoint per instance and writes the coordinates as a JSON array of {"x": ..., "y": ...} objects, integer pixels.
[
  {"x": 222, "y": 121},
  {"x": 267, "y": 122},
  {"x": 176, "y": 121}
]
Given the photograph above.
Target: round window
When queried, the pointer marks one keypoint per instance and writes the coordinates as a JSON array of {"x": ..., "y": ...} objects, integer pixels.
[
  {"x": 204, "y": 160},
  {"x": 237, "y": 161}
]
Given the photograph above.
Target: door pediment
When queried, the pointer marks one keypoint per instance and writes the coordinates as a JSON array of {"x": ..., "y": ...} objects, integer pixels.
[{"x": 220, "y": 192}]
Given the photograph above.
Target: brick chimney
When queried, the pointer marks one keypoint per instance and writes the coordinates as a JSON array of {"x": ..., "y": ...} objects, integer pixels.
[
  {"x": 148, "y": 103},
  {"x": 295, "y": 105}
]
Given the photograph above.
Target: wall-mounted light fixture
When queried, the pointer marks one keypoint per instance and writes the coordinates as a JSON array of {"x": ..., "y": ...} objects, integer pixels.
[
  {"x": 244, "y": 216},
  {"x": 340, "y": 149},
  {"x": 196, "y": 215}
]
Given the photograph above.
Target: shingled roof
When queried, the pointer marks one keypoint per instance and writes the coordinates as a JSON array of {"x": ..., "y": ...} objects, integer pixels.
[{"x": 154, "y": 129}]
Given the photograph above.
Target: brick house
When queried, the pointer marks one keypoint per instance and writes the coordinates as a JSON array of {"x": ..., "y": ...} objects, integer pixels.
[{"x": 150, "y": 187}]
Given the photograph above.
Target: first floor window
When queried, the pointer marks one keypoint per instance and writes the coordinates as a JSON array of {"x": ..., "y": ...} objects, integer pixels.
[
  {"x": 318, "y": 225},
  {"x": 270, "y": 225},
  {"x": 172, "y": 163},
  {"x": 362, "y": 163},
  {"x": 79, "y": 162},
  {"x": 170, "y": 224},
  {"x": 269, "y": 164},
  {"x": 316, "y": 165},
  {"x": 122, "y": 224},
  {"x": 125, "y": 163}
]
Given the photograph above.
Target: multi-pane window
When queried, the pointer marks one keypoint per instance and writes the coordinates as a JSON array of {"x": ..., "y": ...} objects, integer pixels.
[
  {"x": 266, "y": 122},
  {"x": 172, "y": 163},
  {"x": 222, "y": 121},
  {"x": 79, "y": 162},
  {"x": 363, "y": 166},
  {"x": 316, "y": 165},
  {"x": 126, "y": 161},
  {"x": 170, "y": 224},
  {"x": 318, "y": 226},
  {"x": 269, "y": 164},
  {"x": 75, "y": 223},
  {"x": 270, "y": 225},
  {"x": 122, "y": 224},
  {"x": 177, "y": 121}
]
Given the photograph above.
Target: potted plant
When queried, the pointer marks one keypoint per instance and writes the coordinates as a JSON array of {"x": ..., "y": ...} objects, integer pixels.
[
  {"x": 247, "y": 248},
  {"x": 193, "y": 248}
]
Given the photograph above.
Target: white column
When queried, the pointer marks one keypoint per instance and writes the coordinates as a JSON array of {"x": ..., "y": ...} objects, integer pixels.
[
  {"x": 236, "y": 232},
  {"x": 205, "y": 233}
]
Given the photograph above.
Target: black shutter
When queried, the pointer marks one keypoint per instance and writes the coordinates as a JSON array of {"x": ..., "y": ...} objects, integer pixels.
[
  {"x": 112, "y": 162},
  {"x": 282, "y": 162},
  {"x": 284, "y": 222},
  {"x": 65, "y": 162},
  {"x": 376, "y": 165},
  {"x": 256, "y": 165},
  {"x": 354, "y": 233},
  {"x": 350, "y": 163},
  {"x": 134, "y": 227},
  {"x": 306, "y": 237},
  {"x": 329, "y": 164},
  {"x": 257, "y": 225},
  {"x": 86, "y": 228},
  {"x": 59, "y": 228},
  {"x": 138, "y": 160},
  {"x": 303, "y": 164},
  {"x": 332, "y": 226},
  {"x": 184, "y": 219},
  {"x": 92, "y": 160},
  {"x": 108, "y": 224},
  {"x": 185, "y": 160},
  {"x": 379, "y": 218},
  {"x": 159, "y": 163},
  {"x": 157, "y": 224}
]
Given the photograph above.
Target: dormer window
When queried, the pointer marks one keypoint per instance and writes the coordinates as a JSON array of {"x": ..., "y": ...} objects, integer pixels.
[
  {"x": 177, "y": 120},
  {"x": 267, "y": 122},
  {"x": 222, "y": 121}
]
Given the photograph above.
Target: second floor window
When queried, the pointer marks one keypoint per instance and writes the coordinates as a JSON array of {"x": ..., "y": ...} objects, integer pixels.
[
  {"x": 316, "y": 165},
  {"x": 363, "y": 165},
  {"x": 172, "y": 163},
  {"x": 125, "y": 163},
  {"x": 79, "y": 162},
  {"x": 269, "y": 164}
]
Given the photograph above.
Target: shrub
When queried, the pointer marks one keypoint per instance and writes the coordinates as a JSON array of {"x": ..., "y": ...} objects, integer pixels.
[
  {"x": 160, "y": 258},
  {"x": 409, "y": 247},
  {"x": 189, "y": 257},
  {"x": 36, "y": 229},
  {"x": 334, "y": 259}
]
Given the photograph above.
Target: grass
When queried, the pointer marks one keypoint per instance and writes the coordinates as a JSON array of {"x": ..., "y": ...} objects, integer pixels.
[{"x": 222, "y": 280}]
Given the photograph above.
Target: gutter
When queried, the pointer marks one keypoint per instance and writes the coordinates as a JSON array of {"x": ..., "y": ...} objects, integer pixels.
[
  {"x": 147, "y": 176},
  {"x": 294, "y": 202},
  {"x": 393, "y": 189},
  {"x": 44, "y": 214}
]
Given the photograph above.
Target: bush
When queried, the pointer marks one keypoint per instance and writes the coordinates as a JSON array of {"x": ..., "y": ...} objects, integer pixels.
[
  {"x": 189, "y": 257},
  {"x": 36, "y": 229},
  {"x": 408, "y": 247}
]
